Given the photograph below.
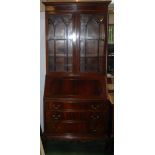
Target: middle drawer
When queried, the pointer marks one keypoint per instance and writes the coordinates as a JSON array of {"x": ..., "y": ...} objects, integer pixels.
[{"x": 73, "y": 115}]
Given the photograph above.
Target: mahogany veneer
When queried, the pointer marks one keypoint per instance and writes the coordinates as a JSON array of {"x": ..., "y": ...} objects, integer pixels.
[{"x": 76, "y": 102}]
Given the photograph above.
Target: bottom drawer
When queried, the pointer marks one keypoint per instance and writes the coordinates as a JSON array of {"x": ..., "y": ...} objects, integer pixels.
[{"x": 77, "y": 128}]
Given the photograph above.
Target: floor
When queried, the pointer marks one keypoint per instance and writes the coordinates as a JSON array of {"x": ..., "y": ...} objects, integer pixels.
[{"x": 79, "y": 148}]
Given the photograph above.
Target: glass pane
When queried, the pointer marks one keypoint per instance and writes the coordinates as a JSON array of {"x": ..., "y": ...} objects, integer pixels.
[
  {"x": 51, "y": 47},
  {"x": 92, "y": 29},
  {"x": 69, "y": 56},
  {"x": 101, "y": 48},
  {"x": 92, "y": 64},
  {"x": 83, "y": 21},
  {"x": 60, "y": 61},
  {"x": 50, "y": 29},
  {"x": 91, "y": 48},
  {"x": 60, "y": 47},
  {"x": 51, "y": 63},
  {"x": 92, "y": 36},
  {"x": 60, "y": 42},
  {"x": 102, "y": 32},
  {"x": 60, "y": 29}
]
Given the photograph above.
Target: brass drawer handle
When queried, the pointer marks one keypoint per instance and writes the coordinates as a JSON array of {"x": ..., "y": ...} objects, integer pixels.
[
  {"x": 56, "y": 106},
  {"x": 93, "y": 106},
  {"x": 56, "y": 116},
  {"x": 95, "y": 117},
  {"x": 93, "y": 130}
]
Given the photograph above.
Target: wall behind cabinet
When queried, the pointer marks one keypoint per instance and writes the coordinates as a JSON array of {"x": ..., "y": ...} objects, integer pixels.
[{"x": 42, "y": 63}]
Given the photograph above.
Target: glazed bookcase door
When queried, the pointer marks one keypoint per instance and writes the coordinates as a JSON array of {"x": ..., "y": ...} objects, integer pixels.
[
  {"x": 60, "y": 43},
  {"x": 92, "y": 40}
]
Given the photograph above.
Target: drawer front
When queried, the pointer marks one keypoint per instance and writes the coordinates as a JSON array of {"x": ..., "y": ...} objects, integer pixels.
[
  {"x": 74, "y": 105},
  {"x": 97, "y": 128},
  {"x": 62, "y": 128},
  {"x": 76, "y": 116},
  {"x": 75, "y": 128}
]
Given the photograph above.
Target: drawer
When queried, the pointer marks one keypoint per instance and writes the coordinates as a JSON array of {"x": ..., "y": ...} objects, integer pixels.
[
  {"x": 76, "y": 116},
  {"x": 75, "y": 128},
  {"x": 62, "y": 128},
  {"x": 76, "y": 105},
  {"x": 97, "y": 128}
]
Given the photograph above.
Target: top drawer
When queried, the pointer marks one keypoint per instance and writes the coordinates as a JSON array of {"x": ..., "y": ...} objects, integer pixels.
[{"x": 76, "y": 105}]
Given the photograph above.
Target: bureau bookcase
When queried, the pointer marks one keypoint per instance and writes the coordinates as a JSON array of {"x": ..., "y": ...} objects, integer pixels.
[{"x": 76, "y": 102}]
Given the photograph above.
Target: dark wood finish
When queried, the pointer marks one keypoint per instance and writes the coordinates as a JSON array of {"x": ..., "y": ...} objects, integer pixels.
[
  {"x": 79, "y": 105},
  {"x": 84, "y": 88},
  {"x": 76, "y": 102}
]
